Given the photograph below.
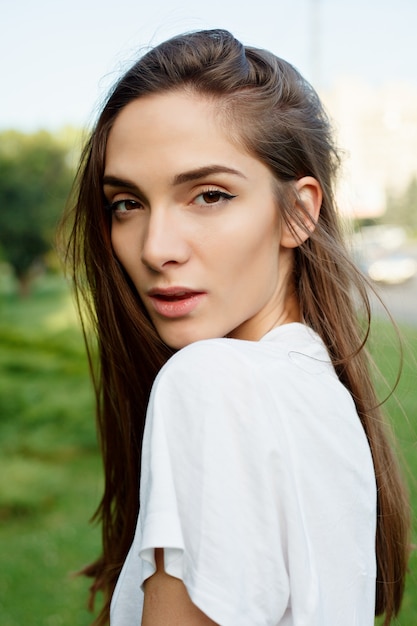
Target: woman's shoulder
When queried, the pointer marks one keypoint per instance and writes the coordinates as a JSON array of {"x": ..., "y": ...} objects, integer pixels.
[
  {"x": 281, "y": 344},
  {"x": 222, "y": 384},
  {"x": 287, "y": 353},
  {"x": 211, "y": 360},
  {"x": 210, "y": 384}
]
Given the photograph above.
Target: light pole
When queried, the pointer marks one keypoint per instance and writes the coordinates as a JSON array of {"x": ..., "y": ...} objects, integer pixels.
[{"x": 315, "y": 42}]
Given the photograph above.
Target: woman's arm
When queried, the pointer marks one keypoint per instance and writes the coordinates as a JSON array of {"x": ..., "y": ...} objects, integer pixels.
[{"x": 167, "y": 602}]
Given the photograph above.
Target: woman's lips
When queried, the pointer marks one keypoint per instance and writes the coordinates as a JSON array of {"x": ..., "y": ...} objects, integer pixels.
[{"x": 175, "y": 302}]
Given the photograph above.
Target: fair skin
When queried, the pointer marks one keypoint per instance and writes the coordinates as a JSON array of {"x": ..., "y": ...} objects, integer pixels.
[
  {"x": 167, "y": 602},
  {"x": 195, "y": 224}
]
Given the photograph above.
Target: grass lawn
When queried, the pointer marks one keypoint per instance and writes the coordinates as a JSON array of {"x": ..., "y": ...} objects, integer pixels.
[
  {"x": 402, "y": 410},
  {"x": 51, "y": 474},
  {"x": 50, "y": 481}
]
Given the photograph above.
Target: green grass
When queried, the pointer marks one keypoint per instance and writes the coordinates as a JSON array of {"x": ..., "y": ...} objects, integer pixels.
[
  {"x": 402, "y": 411},
  {"x": 50, "y": 481}
]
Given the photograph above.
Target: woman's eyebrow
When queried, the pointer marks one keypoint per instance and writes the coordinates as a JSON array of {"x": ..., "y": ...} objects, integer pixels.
[
  {"x": 202, "y": 172},
  {"x": 179, "y": 179},
  {"x": 113, "y": 181}
]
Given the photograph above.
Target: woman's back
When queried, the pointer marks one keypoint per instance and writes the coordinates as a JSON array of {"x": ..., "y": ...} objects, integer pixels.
[{"x": 236, "y": 487}]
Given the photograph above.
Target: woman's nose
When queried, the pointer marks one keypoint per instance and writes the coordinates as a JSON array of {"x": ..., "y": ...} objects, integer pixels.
[{"x": 164, "y": 242}]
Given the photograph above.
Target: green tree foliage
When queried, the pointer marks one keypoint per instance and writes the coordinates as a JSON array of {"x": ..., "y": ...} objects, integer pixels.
[
  {"x": 402, "y": 208},
  {"x": 35, "y": 180}
]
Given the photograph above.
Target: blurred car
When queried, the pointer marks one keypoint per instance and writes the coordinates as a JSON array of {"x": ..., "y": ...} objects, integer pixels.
[{"x": 392, "y": 269}]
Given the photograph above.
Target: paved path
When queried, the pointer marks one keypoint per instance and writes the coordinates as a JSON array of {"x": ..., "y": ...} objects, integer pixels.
[{"x": 401, "y": 301}]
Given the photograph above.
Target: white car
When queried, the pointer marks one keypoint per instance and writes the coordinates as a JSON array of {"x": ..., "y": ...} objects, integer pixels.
[{"x": 392, "y": 269}]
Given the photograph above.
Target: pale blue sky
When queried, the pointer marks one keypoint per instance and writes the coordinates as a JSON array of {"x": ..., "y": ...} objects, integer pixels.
[{"x": 57, "y": 59}]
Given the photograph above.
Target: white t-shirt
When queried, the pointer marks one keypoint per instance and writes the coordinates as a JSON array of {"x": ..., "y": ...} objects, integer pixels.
[{"x": 258, "y": 482}]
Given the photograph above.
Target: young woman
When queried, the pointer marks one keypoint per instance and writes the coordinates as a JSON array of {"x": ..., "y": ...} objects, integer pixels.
[{"x": 233, "y": 387}]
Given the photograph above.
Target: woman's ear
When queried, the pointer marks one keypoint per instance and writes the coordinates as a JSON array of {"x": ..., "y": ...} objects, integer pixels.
[{"x": 307, "y": 205}]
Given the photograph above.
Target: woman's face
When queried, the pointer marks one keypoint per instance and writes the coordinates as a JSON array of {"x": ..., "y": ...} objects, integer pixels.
[{"x": 195, "y": 223}]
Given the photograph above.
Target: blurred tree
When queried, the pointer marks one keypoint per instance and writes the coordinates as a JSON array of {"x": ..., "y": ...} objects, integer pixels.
[
  {"x": 35, "y": 179},
  {"x": 402, "y": 208}
]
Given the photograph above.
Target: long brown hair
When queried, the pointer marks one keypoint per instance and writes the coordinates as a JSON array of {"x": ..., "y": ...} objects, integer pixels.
[{"x": 276, "y": 115}]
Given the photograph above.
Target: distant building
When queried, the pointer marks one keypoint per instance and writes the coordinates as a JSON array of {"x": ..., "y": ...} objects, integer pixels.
[{"x": 376, "y": 129}]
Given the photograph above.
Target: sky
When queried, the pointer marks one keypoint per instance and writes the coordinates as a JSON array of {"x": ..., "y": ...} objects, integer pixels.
[{"x": 59, "y": 58}]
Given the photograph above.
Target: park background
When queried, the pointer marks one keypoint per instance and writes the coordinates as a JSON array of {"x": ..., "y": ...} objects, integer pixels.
[{"x": 58, "y": 60}]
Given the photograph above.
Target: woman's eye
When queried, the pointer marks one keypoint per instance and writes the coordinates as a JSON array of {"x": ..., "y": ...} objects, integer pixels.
[
  {"x": 213, "y": 196},
  {"x": 123, "y": 206}
]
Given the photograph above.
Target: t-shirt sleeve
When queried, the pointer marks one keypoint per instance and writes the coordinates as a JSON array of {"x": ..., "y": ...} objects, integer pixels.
[{"x": 209, "y": 487}]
